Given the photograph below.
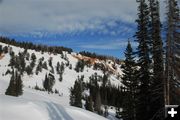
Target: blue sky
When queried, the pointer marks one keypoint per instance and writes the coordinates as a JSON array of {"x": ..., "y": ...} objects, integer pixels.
[{"x": 101, "y": 26}]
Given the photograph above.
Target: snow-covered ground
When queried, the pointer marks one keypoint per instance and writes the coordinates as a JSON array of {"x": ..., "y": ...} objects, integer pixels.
[{"x": 39, "y": 105}]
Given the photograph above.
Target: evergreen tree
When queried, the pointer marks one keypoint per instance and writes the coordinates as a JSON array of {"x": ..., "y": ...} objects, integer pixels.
[
  {"x": 1, "y": 50},
  {"x": 49, "y": 82},
  {"x": 58, "y": 67},
  {"x": 157, "y": 83},
  {"x": 76, "y": 94},
  {"x": 50, "y": 61},
  {"x": 21, "y": 62},
  {"x": 143, "y": 38},
  {"x": 12, "y": 59},
  {"x": 27, "y": 56},
  {"x": 129, "y": 79},
  {"x": 33, "y": 57},
  {"x": 80, "y": 66},
  {"x": 19, "y": 84},
  {"x": 172, "y": 52},
  {"x": 39, "y": 67},
  {"x": 11, "y": 90},
  {"x": 97, "y": 107},
  {"x": 104, "y": 89},
  {"x": 89, "y": 104},
  {"x": 33, "y": 60},
  {"x": 62, "y": 67},
  {"x": 29, "y": 70},
  {"x": 60, "y": 77},
  {"x": 5, "y": 49},
  {"x": 45, "y": 65},
  {"x": 15, "y": 87},
  {"x": 46, "y": 83}
]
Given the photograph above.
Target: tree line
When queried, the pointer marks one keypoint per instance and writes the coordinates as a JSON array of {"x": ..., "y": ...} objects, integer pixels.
[
  {"x": 152, "y": 81},
  {"x": 30, "y": 45}
]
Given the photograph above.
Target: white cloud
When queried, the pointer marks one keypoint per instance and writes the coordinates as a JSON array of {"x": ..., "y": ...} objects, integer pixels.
[
  {"x": 110, "y": 45},
  {"x": 63, "y": 15}
]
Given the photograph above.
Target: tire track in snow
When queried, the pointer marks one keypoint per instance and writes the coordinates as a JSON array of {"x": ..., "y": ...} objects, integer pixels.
[
  {"x": 57, "y": 112},
  {"x": 53, "y": 112},
  {"x": 61, "y": 110}
]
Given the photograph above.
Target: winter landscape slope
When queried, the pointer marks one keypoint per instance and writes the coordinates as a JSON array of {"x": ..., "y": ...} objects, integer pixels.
[
  {"x": 35, "y": 106},
  {"x": 39, "y": 104}
]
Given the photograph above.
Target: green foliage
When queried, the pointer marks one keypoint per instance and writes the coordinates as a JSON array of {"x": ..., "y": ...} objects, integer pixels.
[
  {"x": 5, "y": 49},
  {"x": 97, "y": 106},
  {"x": 130, "y": 80},
  {"x": 76, "y": 93},
  {"x": 44, "y": 65},
  {"x": 29, "y": 70},
  {"x": 60, "y": 70},
  {"x": 80, "y": 66},
  {"x": 12, "y": 59},
  {"x": 143, "y": 51},
  {"x": 1, "y": 49},
  {"x": 33, "y": 60},
  {"x": 50, "y": 61},
  {"x": 33, "y": 57},
  {"x": 49, "y": 82},
  {"x": 39, "y": 67},
  {"x": 89, "y": 104},
  {"x": 29, "y": 45},
  {"x": 15, "y": 85}
]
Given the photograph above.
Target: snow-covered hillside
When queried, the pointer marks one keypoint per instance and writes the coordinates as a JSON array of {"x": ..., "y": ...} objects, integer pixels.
[
  {"x": 40, "y": 105},
  {"x": 69, "y": 75},
  {"x": 35, "y": 105}
]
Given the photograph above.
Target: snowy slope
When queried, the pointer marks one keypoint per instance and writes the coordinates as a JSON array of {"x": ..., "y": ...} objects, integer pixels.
[
  {"x": 69, "y": 76},
  {"x": 40, "y": 105},
  {"x": 13, "y": 108}
]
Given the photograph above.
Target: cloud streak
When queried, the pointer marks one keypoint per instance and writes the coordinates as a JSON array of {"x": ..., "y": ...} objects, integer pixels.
[
  {"x": 62, "y": 15},
  {"x": 110, "y": 45}
]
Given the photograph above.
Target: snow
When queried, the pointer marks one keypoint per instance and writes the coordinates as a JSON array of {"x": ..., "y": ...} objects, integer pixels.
[
  {"x": 12, "y": 108},
  {"x": 69, "y": 75},
  {"x": 39, "y": 105}
]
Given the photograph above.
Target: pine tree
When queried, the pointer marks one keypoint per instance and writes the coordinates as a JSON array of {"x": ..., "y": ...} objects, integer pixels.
[
  {"x": 97, "y": 107},
  {"x": 157, "y": 83},
  {"x": 89, "y": 104},
  {"x": 11, "y": 90},
  {"x": 5, "y": 49},
  {"x": 45, "y": 65},
  {"x": 80, "y": 66},
  {"x": 33, "y": 60},
  {"x": 49, "y": 82},
  {"x": 15, "y": 87},
  {"x": 130, "y": 81},
  {"x": 58, "y": 67},
  {"x": 19, "y": 84},
  {"x": 39, "y": 67},
  {"x": 12, "y": 60},
  {"x": 172, "y": 52},
  {"x": 22, "y": 63},
  {"x": 33, "y": 57},
  {"x": 50, "y": 61},
  {"x": 142, "y": 37},
  {"x": 29, "y": 70},
  {"x": 46, "y": 83},
  {"x": 76, "y": 94},
  {"x": 62, "y": 68},
  {"x": 1, "y": 50},
  {"x": 60, "y": 77}
]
